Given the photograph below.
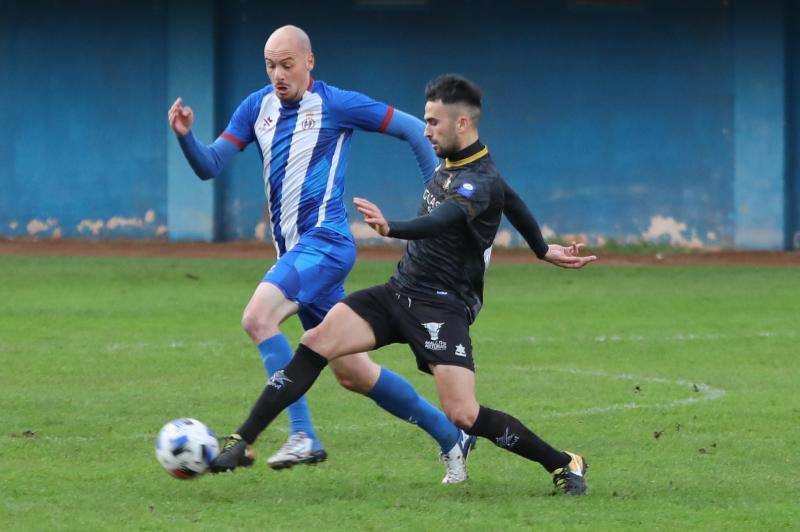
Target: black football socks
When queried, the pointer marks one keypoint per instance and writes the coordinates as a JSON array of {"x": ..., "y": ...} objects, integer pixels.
[
  {"x": 508, "y": 432},
  {"x": 284, "y": 388}
]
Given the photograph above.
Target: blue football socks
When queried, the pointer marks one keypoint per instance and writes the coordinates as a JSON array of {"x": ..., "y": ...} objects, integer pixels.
[
  {"x": 276, "y": 354},
  {"x": 395, "y": 394}
]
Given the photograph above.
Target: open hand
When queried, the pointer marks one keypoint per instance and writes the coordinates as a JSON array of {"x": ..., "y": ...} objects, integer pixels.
[
  {"x": 568, "y": 257},
  {"x": 180, "y": 118},
  {"x": 372, "y": 216}
]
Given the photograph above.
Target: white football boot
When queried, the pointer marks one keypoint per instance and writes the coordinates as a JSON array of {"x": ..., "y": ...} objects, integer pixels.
[
  {"x": 455, "y": 460},
  {"x": 298, "y": 449}
]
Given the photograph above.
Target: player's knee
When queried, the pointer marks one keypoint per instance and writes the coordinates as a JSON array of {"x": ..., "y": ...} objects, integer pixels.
[
  {"x": 352, "y": 382},
  {"x": 250, "y": 322},
  {"x": 258, "y": 327},
  {"x": 463, "y": 415},
  {"x": 313, "y": 340}
]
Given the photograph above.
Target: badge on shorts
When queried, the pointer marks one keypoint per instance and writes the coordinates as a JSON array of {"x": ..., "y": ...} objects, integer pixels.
[{"x": 434, "y": 344}]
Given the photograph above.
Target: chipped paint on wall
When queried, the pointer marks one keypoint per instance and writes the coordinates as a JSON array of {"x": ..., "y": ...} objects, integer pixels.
[
  {"x": 667, "y": 228},
  {"x": 260, "y": 231},
  {"x": 36, "y": 226},
  {"x": 547, "y": 232},
  {"x": 503, "y": 238},
  {"x": 100, "y": 227},
  {"x": 93, "y": 226},
  {"x": 117, "y": 222}
]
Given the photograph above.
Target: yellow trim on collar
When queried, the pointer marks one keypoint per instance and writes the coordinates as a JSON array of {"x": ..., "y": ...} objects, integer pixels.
[{"x": 450, "y": 164}]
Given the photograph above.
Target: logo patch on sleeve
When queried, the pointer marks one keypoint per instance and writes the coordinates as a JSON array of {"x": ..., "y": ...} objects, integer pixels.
[{"x": 466, "y": 190}]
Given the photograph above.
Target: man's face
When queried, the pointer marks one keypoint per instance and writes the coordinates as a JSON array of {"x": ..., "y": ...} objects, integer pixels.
[
  {"x": 440, "y": 128},
  {"x": 289, "y": 70}
]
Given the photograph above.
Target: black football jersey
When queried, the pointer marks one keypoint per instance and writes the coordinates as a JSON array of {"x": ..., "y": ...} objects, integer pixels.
[{"x": 453, "y": 263}]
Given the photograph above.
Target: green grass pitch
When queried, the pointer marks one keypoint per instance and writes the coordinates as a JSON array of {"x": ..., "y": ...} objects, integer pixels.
[{"x": 680, "y": 384}]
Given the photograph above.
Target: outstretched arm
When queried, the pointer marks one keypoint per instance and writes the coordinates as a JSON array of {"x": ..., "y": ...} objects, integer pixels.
[
  {"x": 410, "y": 129},
  {"x": 568, "y": 257},
  {"x": 206, "y": 161},
  {"x": 358, "y": 111},
  {"x": 523, "y": 221},
  {"x": 439, "y": 219}
]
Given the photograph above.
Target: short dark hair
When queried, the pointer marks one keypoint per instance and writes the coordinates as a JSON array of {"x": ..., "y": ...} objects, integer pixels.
[{"x": 452, "y": 88}]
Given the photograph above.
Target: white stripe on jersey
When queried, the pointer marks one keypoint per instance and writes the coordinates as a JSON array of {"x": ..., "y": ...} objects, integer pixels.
[
  {"x": 265, "y": 131},
  {"x": 331, "y": 179},
  {"x": 301, "y": 149}
]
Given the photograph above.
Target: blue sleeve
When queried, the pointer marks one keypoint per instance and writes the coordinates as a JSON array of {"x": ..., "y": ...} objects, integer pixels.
[
  {"x": 241, "y": 128},
  {"x": 207, "y": 161},
  {"x": 406, "y": 127},
  {"x": 353, "y": 110}
]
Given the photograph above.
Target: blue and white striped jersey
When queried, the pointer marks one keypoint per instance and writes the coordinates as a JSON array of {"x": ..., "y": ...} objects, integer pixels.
[{"x": 304, "y": 148}]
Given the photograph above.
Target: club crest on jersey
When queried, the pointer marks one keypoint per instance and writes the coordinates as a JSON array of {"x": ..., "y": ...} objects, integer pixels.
[
  {"x": 466, "y": 190},
  {"x": 308, "y": 122},
  {"x": 434, "y": 344}
]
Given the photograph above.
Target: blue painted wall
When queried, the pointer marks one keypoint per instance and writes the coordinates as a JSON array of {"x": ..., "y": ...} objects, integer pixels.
[
  {"x": 759, "y": 124},
  {"x": 792, "y": 191},
  {"x": 84, "y": 152},
  {"x": 623, "y": 123},
  {"x": 190, "y": 75},
  {"x": 604, "y": 118}
]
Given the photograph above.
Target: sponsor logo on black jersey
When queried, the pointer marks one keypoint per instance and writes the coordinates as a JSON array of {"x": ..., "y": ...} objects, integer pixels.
[{"x": 430, "y": 200}]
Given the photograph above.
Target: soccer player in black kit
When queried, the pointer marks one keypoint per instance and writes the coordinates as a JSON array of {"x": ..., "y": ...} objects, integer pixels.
[{"x": 436, "y": 292}]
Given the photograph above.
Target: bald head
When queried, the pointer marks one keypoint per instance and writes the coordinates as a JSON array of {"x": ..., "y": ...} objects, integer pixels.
[
  {"x": 289, "y": 61},
  {"x": 288, "y": 38}
]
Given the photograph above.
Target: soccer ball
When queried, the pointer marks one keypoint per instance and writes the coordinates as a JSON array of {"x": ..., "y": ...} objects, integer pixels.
[{"x": 186, "y": 447}]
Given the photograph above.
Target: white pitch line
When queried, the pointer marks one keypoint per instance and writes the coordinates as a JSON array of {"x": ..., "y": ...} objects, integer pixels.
[
  {"x": 600, "y": 338},
  {"x": 169, "y": 344},
  {"x": 704, "y": 391},
  {"x": 677, "y": 337}
]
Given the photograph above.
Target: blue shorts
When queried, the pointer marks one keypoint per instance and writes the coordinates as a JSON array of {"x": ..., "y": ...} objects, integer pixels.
[{"x": 312, "y": 273}]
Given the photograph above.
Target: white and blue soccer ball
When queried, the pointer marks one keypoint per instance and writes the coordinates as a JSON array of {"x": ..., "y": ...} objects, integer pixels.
[{"x": 186, "y": 447}]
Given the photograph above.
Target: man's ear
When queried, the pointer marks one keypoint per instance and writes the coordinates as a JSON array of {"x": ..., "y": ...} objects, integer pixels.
[
  {"x": 310, "y": 61},
  {"x": 462, "y": 124}
]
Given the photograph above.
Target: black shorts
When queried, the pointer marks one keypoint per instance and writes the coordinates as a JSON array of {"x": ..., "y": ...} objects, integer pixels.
[{"x": 436, "y": 331}]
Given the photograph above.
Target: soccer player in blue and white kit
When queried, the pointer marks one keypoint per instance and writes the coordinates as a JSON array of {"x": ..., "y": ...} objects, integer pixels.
[{"x": 303, "y": 128}]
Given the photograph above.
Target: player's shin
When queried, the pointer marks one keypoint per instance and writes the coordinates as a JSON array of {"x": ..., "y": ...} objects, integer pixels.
[
  {"x": 395, "y": 394},
  {"x": 276, "y": 354},
  {"x": 284, "y": 388},
  {"x": 508, "y": 432}
]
